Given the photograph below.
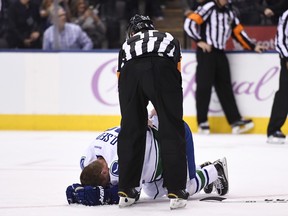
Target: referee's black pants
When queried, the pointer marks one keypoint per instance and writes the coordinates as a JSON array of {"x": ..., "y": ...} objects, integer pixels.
[
  {"x": 280, "y": 104},
  {"x": 155, "y": 79},
  {"x": 213, "y": 70}
]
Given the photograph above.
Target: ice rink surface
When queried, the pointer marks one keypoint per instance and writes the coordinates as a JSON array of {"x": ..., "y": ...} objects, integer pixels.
[{"x": 36, "y": 168}]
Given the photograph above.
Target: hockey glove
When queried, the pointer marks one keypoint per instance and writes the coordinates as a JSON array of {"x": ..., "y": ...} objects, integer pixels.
[
  {"x": 93, "y": 196},
  {"x": 113, "y": 194},
  {"x": 70, "y": 193}
]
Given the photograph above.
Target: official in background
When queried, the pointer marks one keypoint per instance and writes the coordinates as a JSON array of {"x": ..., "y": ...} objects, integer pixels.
[
  {"x": 149, "y": 70},
  {"x": 211, "y": 26},
  {"x": 280, "y": 103}
]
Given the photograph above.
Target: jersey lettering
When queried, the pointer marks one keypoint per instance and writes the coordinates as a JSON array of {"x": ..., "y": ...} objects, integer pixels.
[
  {"x": 105, "y": 137},
  {"x": 114, "y": 141}
]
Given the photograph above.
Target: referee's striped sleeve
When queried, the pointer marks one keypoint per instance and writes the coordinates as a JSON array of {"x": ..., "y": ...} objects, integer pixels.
[
  {"x": 241, "y": 36},
  {"x": 194, "y": 20},
  {"x": 281, "y": 40},
  {"x": 191, "y": 28}
]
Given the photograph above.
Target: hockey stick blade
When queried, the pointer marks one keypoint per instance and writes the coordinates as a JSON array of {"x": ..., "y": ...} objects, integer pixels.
[{"x": 225, "y": 200}]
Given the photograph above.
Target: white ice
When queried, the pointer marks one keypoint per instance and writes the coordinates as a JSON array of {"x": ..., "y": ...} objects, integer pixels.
[{"x": 36, "y": 168}]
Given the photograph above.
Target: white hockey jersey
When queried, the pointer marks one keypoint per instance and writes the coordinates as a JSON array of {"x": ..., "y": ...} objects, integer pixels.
[{"x": 105, "y": 145}]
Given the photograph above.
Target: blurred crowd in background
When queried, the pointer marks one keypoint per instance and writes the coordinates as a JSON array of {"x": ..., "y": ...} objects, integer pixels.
[{"x": 24, "y": 24}]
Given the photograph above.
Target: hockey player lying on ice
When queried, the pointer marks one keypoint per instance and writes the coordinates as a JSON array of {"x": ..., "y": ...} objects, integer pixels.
[{"x": 99, "y": 176}]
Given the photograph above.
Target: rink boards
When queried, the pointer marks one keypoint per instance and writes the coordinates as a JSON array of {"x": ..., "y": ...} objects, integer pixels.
[{"x": 78, "y": 90}]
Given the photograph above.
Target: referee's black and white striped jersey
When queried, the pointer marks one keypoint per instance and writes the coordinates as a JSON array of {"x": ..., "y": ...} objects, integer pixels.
[
  {"x": 150, "y": 41},
  {"x": 281, "y": 39},
  {"x": 215, "y": 25}
]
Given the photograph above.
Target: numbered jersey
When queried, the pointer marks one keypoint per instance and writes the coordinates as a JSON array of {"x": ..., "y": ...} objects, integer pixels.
[{"x": 105, "y": 145}]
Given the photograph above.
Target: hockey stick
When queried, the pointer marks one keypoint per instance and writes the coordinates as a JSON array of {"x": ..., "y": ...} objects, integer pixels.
[{"x": 227, "y": 200}]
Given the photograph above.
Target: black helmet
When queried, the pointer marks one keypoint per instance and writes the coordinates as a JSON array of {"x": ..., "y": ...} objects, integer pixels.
[{"x": 138, "y": 23}]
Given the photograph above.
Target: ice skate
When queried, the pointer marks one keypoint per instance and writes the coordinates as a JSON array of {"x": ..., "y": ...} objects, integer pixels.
[
  {"x": 204, "y": 128},
  {"x": 242, "y": 126},
  {"x": 221, "y": 184},
  {"x": 276, "y": 138},
  {"x": 128, "y": 197},
  {"x": 178, "y": 199}
]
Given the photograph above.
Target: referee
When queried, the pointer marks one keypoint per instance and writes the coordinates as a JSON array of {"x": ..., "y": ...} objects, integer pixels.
[
  {"x": 280, "y": 104},
  {"x": 211, "y": 26},
  {"x": 149, "y": 70}
]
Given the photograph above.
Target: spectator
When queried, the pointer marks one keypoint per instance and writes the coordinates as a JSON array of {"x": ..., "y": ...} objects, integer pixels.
[
  {"x": 274, "y": 9},
  {"x": 70, "y": 36},
  {"x": 87, "y": 18},
  {"x": 24, "y": 25},
  {"x": 248, "y": 11},
  {"x": 211, "y": 37},
  {"x": 109, "y": 14},
  {"x": 280, "y": 104},
  {"x": 3, "y": 23},
  {"x": 47, "y": 8}
]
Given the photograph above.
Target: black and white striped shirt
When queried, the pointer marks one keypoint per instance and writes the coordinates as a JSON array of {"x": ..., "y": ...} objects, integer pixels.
[
  {"x": 150, "y": 41},
  {"x": 281, "y": 39},
  {"x": 215, "y": 25}
]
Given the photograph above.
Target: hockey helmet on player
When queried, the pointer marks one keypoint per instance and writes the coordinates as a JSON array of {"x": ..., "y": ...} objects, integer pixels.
[{"x": 138, "y": 23}]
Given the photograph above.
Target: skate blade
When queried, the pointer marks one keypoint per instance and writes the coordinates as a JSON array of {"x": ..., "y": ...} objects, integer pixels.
[
  {"x": 177, "y": 203},
  {"x": 224, "y": 163},
  {"x": 203, "y": 131},
  {"x": 125, "y": 202},
  {"x": 275, "y": 140}
]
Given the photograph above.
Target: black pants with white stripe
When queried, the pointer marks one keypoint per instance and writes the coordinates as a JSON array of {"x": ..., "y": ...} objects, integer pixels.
[
  {"x": 155, "y": 79},
  {"x": 280, "y": 104},
  {"x": 213, "y": 70}
]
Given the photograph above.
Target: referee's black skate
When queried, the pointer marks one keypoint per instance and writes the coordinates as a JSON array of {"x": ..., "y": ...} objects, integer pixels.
[
  {"x": 242, "y": 126},
  {"x": 128, "y": 197},
  {"x": 221, "y": 184},
  {"x": 178, "y": 198},
  {"x": 276, "y": 138},
  {"x": 204, "y": 128}
]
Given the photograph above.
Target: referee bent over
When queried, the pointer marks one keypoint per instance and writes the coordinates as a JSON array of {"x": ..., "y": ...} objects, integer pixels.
[
  {"x": 149, "y": 70},
  {"x": 211, "y": 26}
]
